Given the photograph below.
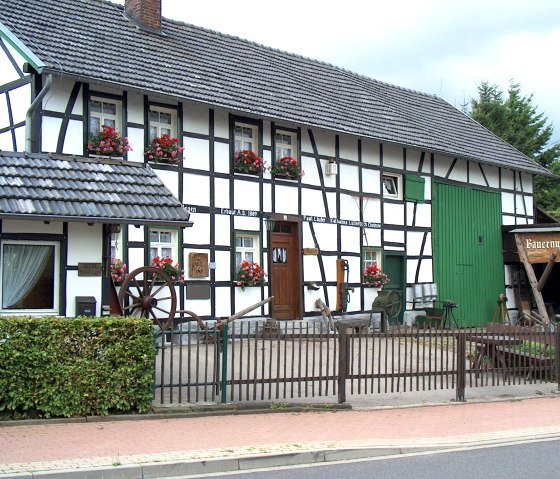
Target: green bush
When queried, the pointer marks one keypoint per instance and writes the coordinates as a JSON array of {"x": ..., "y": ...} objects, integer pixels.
[{"x": 75, "y": 366}]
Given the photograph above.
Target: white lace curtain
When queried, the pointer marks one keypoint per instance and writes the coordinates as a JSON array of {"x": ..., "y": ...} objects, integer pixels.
[{"x": 22, "y": 267}]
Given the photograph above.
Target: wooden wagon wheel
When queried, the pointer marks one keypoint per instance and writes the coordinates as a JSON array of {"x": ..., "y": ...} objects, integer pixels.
[
  {"x": 393, "y": 305},
  {"x": 148, "y": 292}
]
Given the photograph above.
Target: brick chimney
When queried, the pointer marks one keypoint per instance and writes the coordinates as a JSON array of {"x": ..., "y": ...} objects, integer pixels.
[{"x": 144, "y": 13}]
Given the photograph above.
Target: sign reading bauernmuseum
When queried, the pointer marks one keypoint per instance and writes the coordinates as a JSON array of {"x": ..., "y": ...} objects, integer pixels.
[{"x": 540, "y": 246}]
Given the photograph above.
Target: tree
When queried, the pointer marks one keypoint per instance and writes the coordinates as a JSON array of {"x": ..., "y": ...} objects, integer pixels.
[{"x": 514, "y": 118}]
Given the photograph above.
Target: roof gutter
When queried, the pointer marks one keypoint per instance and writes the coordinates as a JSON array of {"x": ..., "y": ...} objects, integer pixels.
[{"x": 31, "y": 110}]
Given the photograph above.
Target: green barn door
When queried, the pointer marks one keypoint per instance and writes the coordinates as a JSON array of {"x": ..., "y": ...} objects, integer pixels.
[{"x": 467, "y": 250}]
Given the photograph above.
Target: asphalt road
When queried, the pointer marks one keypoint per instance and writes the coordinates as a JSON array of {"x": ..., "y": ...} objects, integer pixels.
[{"x": 535, "y": 460}]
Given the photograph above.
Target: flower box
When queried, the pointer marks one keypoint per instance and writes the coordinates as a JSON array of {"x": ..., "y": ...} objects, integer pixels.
[
  {"x": 164, "y": 149},
  {"x": 247, "y": 161},
  {"x": 374, "y": 277},
  {"x": 248, "y": 274},
  {"x": 108, "y": 142},
  {"x": 287, "y": 167}
]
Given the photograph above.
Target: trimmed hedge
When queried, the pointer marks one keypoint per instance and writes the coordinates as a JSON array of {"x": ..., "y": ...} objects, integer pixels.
[{"x": 75, "y": 366}]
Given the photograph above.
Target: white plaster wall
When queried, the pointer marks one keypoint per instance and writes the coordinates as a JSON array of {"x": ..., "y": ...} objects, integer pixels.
[
  {"x": 201, "y": 307},
  {"x": 507, "y": 179},
  {"x": 136, "y": 140},
  {"x": 527, "y": 181},
  {"x": 196, "y": 154},
  {"x": 246, "y": 223},
  {"x": 24, "y": 226},
  {"x": 135, "y": 258},
  {"x": 442, "y": 165},
  {"x": 393, "y": 236},
  {"x": 267, "y": 197},
  {"x": 221, "y": 123},
  {"x": 51, "y": 129},
  {"x": 372, "y": 237},
  {"x": 20, "y": 100},
  {"x": 135, "y": 113},
  {"x": 325, "y": 142},
  {"x": 509, "y": 220},
  {"x": 414, "y": 242},
  {"x": 326, "y": 237},
  {"x": 393, "y": 156},
  {"x": 223, "y": 299},
  {"x": 246, "y": 195},
  {"x": 199, "y": 232},
  {"x": 349, "y": 177},
  {"x": 460, "y": 171},
  {"x": 411, "y": 265},
  {"x": 222, "y": 223},
  {"x": 246, "y": 298},
  {"x": 57, "y": 97},
  {"x": 82, "y": 286},
  {"x": 370, "y": 153},
  {"x": 196, "y": 118},
  {"x": 349, "y": 208},
  {"x": 136, "y": 233},
  {"x": 312, "y": 174},
  {"x": 223, "y": 266},
  {"x": 508, "y": 205},
  {"x": 312, "y": 203},
  {"x": 393, "y": 213},
  {"x": 475, "y": 175},
  {"x": 521, "y": 206},
  {"x": 350, "y": 239},
  {"x": 73, "y": 141},
  {"x": 331, "y": 203},
  {"x": 348, "y": 148},
  {"x": 196, "y": 189},
  {"x": 311, "y": 269},
  {"x": 371, "y": 182},
  {"x": 9, "y": 73},
  {"x": 426, "y": 273},
  {"x": 423, "y": 216},
  {"x": 221, "y": 193},
  {"x": 287, "y": 199},
  {"x": 221, "y": 158},
  {"x": 372, "y": 210},
  {"x": 413, "y": 159}
]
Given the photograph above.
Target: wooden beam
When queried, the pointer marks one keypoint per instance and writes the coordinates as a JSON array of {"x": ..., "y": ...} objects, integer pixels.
[
  {"x": 548, "y": 269},
  {"x": 532, "y": 279}
]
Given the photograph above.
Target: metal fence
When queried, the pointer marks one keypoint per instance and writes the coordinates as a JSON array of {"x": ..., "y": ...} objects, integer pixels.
[{"x": 247, "y": 361}]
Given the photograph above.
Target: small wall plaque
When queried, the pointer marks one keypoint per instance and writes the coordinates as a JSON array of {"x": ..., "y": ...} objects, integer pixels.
[
  {"x": 198, "y": 265},
  {"x": 89, "y": 269},
  {"x": 198, "y": 291},
  {"x": 311, "y": 251}
]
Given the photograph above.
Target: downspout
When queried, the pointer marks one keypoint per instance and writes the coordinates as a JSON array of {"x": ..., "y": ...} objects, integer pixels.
[{"x": 36, "y": 102}]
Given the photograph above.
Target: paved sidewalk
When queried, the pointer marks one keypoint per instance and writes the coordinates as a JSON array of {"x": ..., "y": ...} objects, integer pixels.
[{"x": 171, "y": 446}]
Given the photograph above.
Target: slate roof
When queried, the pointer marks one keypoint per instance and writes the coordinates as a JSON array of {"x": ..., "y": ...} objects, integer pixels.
[
  {"x": 92, "y": 39},
  {"x": 60, "y": 187}
]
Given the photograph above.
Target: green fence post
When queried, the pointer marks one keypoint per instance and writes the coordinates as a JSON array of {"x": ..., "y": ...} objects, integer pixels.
[{"x": 224, "y": 362}]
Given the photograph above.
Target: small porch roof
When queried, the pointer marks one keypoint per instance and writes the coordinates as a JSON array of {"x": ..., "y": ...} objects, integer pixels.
[{"x": 49, "y": 187}]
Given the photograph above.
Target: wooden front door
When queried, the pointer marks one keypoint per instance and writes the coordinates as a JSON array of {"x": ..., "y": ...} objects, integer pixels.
[{"x": 285, "y": 277}]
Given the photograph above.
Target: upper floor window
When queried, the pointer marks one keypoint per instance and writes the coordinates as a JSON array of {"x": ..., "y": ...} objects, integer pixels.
[
  {"x": 104, "y": 111},
  {"x": 392, "y": 186},
  {"x": 286, "y": 144},
  {"x": 246, "y": 247},
  {"x": 245, "y": 137},
  {"x": 163, "y": 121},
  {"x": 163, "y": 244},
  {"x": 30, "y": 277}
]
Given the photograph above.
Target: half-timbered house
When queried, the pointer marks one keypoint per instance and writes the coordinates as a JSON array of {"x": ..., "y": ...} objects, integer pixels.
[{"x": 392, "y": 177}]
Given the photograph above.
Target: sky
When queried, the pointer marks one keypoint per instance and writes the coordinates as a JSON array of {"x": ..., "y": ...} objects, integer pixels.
[{"x": 441, "y": 47}]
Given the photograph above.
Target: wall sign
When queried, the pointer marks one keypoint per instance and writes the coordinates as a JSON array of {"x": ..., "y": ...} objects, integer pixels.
[
  {"x": 89, "y": 269},
  {"x": 198, "y": 265},
  {"x": 540, "y": 246}
]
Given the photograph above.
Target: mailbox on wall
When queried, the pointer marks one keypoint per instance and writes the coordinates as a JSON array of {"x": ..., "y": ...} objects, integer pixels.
[{"x": 85, "y": 306}]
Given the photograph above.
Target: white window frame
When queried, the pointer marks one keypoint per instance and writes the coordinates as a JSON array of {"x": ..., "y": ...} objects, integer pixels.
[
  {"x": 116, "y": 245},
  {"x": 160, "y": 245},
  {"x": 243, "y": 142},
  {"x": 374, "y": 258},
  {"x": 160, "y": 127},
  {"x": 281, "y": 149},
  {"x": 244, "y": 250},
  {"x": 56, "y": 278},
  {"x": 396, "y": 183},
  {"x": 103, "y": 116}
]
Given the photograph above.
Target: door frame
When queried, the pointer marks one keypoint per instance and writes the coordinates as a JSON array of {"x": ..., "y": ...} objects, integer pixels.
[
  {"x": 402, "y": 286},
  {"x": 295, "y": 220}
]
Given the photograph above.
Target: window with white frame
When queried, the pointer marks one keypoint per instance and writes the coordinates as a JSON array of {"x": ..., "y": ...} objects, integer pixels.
[
  {"x": 30, "y": 277},
  {"x": 104, "y": 111},
  {"x": 163, "y": 243},
  {"x": 163, "y": 121},
  {"x": 392, "y": 186},
  {"x": 286, "y": 144},
  {"x": 246, "y": 247},
  {"x": 371, "y": 257},
  {"x": 245, "y": 137}
]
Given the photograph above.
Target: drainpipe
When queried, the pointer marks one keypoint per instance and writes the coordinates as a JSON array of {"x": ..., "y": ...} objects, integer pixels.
[{"x": 36, "y": 102}]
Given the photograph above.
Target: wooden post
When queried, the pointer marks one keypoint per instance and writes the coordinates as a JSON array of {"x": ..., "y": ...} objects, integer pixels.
[
  {"x": 532, "y": 279},
  {"x": 339, "y": 281},
  {"x": 548, "y": 269},
  {"x": 342, "y": 361}
]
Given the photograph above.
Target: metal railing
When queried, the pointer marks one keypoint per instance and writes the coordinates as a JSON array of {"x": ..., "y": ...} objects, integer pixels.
[{"x": 247, "y": 361}]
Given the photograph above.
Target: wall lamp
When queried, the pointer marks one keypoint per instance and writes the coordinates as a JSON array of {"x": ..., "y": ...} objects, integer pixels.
[{"x": 331, "y": 168}]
